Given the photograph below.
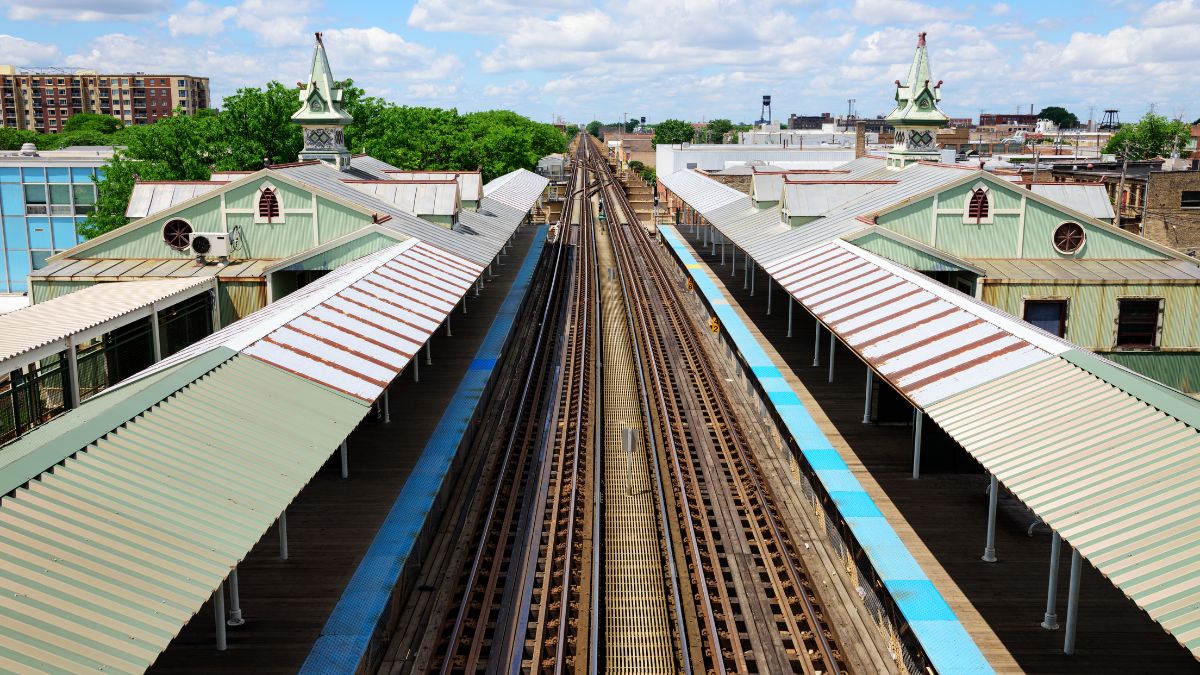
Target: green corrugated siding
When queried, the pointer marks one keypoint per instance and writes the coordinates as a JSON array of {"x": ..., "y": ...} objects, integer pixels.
[
  {"x": 279, "y": 240},
  {"x": 42, "y": 290},
  {"x": 1041, "y": 221},
  {"x": 797, "y": 221},
  {"x": 444, "y": 221},
  {"x": 902, "y": 253},
  {"x": 912, "y": 221},
  {"x": 146, "y": 241},
  {"x": 997, "y": 239},
  {"x": 1180, "y": 370},
  {"x": 335, "y": 220},
  {"x": 1092, "y": 309},
  {"x": 239, "y": 298},
  {"x": 340, "y": 255}
]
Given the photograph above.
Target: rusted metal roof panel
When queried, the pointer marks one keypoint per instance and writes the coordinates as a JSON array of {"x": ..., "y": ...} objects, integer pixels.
[
  {"x": 1115, "y": 476},
  {"x": 927, "y": 339},
  {"x": 357, "y": 327}
]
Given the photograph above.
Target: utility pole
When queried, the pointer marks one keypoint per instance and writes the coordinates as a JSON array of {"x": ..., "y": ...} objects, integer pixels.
[
  {"x": 1036, "y": 159},
  {"x": 1121, "y": 185}
]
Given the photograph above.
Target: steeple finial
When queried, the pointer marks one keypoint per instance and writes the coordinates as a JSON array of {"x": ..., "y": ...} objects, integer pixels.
[
  {"x": 920, "y": 38},
  {"x": 916, "y": 117},
  {"x": 321, "y": 112}
]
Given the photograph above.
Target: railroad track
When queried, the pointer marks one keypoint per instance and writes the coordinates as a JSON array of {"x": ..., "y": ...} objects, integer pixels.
[
  {"x": 524, "y": 598},
  {"x": 755, "y": 607}
]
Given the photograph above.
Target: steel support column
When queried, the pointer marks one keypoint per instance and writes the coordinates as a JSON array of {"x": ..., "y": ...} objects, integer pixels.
[
  {"x": 770, "y": 293},
  {"x": 817, "y": 345},
  {"x": 870, "y": 394},
  {"x": 753, "y": 275},
  {"x": 917, "y": 427},
  {"x": 791, "y": 304},
  {"x": 219, "y": 615},
  {"x": 235, "y": 601},
  {"x": 989, "y": 549},
  {"x": 73, "y": 371},
  {"x": 155, "y": 337},
  {"x": 345, "y": 452},
  {"x": 1050, "y": 618},
  {"x": 387, "y": 405},
  {"x": 832, "y": 351},
  {"x": 283, "y": 542},
  {"x": 1073, "y": 603}
]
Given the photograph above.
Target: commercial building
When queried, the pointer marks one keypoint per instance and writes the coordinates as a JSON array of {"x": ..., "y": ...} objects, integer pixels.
[
  {"x": 44, "y": 195},
  {"x": 43, "y": 100},
  {"x": 1008, "y": 119}
]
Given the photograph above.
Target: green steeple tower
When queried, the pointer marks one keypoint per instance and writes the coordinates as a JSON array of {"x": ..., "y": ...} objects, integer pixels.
[
  {"x": 916, "y": 117},
  {"x": 321, "y": 114}
]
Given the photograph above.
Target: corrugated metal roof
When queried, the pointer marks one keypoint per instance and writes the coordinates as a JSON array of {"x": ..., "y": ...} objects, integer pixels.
[
  {"x": 326, "y": 178},
  {"x": 421, "y": 198},
  {"x": 53, "y": 321},
  {"x": 926, "y": 339},
  {"x": 106, "y": 557},
  {"x": 1099, "y": 271},
  {"x": 1109, "y": 459},
  {"x": 519, "y": 189},
  {"x": 811, "y": 198},
  {"x": 470, "y": 183},
  {"x": 1117, "y": 478},
  {"x": 703, "y": 193},
  {"x": 355, "y": 328},
  {"x": 1088, "y": 199},
  {"x": 149, "y": 198}
]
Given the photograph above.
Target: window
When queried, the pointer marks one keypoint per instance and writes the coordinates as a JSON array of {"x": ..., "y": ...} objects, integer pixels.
[
  {"x": 1137, "y": 322},
  {"x": 1049, "y": 315},
  {"x": 1189, "y": 199},
  {"x": 1069, "y": 237},
  {"x": 977, "y": 207},
  {"x": 268, "y": 205}
]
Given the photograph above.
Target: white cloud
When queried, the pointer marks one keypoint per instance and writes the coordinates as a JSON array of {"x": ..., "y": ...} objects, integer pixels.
[
  {"x": 85, "y": 10},
  {"x": 375, "y": 52},
  {"x": 198, "y": 18},
  {"x": 878, "y": 12},
  {"x": 21, "y": 52},
  {"x": 1173, "y": 13},
  {"x": 506, "y": 91},
  {"x": 1000, "y": 9}
]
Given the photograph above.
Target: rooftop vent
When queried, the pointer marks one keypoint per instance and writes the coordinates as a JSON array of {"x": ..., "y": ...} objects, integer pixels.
[{"x": 29, "y": 150}]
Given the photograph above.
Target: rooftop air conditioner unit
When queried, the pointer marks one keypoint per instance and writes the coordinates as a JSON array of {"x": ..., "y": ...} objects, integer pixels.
[{"x": 210, "y": 243}]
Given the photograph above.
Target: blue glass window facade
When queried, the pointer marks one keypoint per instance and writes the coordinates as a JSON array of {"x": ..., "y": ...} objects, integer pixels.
[{"x": 40, "y": 211}]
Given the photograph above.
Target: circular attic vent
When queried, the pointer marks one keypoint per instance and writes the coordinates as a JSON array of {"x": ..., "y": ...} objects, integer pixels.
[
  {"x": 177, "y": 234},
  {"x": 1069, "y": 237}
]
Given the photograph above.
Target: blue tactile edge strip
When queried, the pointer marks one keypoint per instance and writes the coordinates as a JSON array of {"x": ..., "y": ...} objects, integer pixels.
[
  {"x": 946, "y": 643},
  {"x": 347, "y": 633}
]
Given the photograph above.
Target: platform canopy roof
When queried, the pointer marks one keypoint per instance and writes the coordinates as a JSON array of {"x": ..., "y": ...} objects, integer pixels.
[
  {"x": 35, "y": 332},
  {"x": 125, "y": 514},
  {"x": 1107, "y": 458}
]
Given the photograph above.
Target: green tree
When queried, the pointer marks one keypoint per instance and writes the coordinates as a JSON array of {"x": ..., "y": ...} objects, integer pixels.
[
  {"x": 594, "y": 127},
  {"x": 257, "y": 124},
  {"x": 12, "y": 138},
  {"x": 1060, "y": 116},
  {"x": 636, "y": 166},
  {"x": 673, "y": 131},
  {"x": 1151, "y": 136},
  {"x": 630, "y": 125},
  {"x": 572, "y": 131},
  {"x": 104, "y": 124},
  {"x": 716, "y": 130}
]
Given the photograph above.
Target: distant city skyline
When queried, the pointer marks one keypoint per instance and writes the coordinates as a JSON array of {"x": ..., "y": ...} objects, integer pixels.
[{"x": 674, "y": 58}]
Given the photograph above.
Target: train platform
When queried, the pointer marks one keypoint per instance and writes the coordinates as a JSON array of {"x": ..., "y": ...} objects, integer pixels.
[
  {"x": 939, "y": 518},
  {"x": 334, "y": 524}
]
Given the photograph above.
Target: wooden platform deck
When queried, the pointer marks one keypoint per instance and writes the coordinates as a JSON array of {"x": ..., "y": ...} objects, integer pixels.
[
  {"x": 942, "y": 519},
  {"x": 333, "y": 521}
]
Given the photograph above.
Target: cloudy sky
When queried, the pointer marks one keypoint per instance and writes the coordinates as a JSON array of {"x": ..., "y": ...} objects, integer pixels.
[{"x": 696, "y": 59}]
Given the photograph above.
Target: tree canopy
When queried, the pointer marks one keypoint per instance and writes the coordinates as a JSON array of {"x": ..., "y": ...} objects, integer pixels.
[
  {"x": 255, "y": 124},
  {"x": 715, "y": 130},
  {"x": 104, "y": 124},
  {"x": 1151, "y": 136},
  {"x": 594, "y": 127},
  {"x": 673, "y": 131},
  {"x": 1060, "y": 116}
]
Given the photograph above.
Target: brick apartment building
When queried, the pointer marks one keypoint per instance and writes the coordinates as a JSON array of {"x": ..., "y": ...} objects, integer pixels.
[
  {"x": 43, "y": 100},
  {"x": 1007, "y": 119}
]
